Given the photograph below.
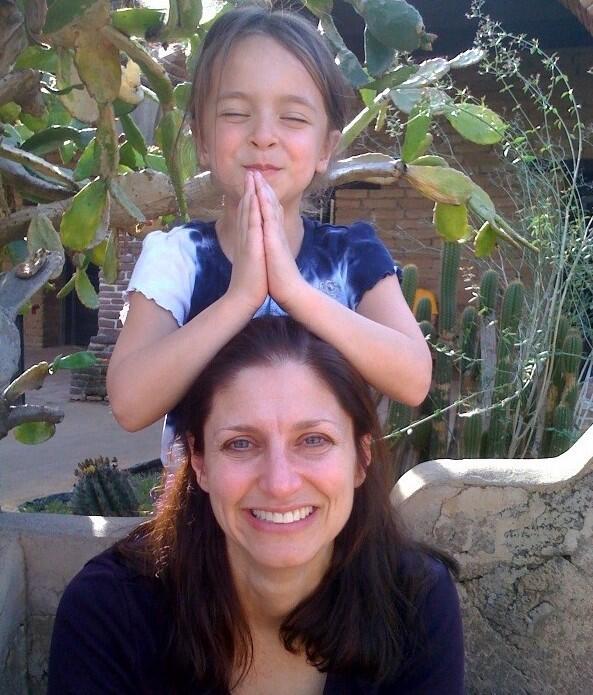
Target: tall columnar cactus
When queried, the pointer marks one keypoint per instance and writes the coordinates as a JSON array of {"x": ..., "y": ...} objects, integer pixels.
[
  {"x": 481, "y": 349},
  {"x": 488, "y": 291},
  {"x": 471, "y": 437},
  {"x": 570, "y": 362},
  {"x": 558, "y": 433},
  {"x": 506, "y": 365},
  {"x": 102, "y": 489},
  {"x": 424, "y": 310},
  {"x": 443, "y": 369},
  {"x": 410, "y": 283},
  {"x": 468, "y": 342}
]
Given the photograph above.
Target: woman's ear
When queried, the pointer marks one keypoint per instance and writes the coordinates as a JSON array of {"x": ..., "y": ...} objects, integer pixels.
[
  {"x": 332, "y": 140},
  {"x": 362, "y": 466},
  {"x": 197, "y": 463}
]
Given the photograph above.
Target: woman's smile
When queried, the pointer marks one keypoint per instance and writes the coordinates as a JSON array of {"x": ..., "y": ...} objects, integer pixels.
[
  {"x": 280, "y": 466},
  {"x": 294, "y": 521}
]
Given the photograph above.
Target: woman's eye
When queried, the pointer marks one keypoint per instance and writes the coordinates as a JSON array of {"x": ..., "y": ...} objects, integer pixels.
[
  {"x": 239, "y": 444},
  {"x": 315, "y": 440}
]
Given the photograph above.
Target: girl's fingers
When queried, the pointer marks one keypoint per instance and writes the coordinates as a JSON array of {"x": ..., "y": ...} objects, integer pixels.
[
  {"x": 271, "y": 209},
  {"x": 255, "y": 215},
  {"x": 245, "y": 205}
]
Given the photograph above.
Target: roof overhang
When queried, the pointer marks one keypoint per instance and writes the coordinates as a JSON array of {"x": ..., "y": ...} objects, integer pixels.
[{"x": 583, "y": 10}]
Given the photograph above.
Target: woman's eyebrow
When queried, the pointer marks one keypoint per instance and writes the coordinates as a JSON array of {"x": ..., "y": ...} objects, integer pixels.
[
  {"x": 288, "y": 98},
  {"x": 301, "y": 425}
]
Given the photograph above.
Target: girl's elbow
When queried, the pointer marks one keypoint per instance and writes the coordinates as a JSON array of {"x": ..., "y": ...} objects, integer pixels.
[
  {"x": 420, "y": 386},
  {"x": 121, "y": 409},
  {"x": 123, "y": 414}
]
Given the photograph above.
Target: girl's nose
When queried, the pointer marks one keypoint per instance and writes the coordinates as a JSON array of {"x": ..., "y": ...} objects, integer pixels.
[
  {"x": 278, "y": 477},
  {"x": 263, "y": 133}
]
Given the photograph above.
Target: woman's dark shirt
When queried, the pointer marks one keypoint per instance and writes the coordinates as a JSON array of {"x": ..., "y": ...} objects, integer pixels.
[{"x": 111, "y": 630}]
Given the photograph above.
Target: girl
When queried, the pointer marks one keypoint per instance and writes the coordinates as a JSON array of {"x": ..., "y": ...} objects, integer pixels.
[{"x": 267, "y": 108}]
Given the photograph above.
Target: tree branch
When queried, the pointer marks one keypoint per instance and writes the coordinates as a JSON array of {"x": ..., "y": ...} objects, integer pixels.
[
  {"x": 16, "y": 175},
  {"x": 19, "y": 414},
  {"x": 153, "y": 193},
  {"x": 38, "y": 164}
]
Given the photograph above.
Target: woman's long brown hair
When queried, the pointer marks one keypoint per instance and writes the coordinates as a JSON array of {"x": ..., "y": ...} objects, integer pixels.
[{"x": 361, "y": 619}]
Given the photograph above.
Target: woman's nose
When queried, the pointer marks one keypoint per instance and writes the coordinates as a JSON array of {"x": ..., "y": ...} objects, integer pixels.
[{"x": 278, "y": 477}]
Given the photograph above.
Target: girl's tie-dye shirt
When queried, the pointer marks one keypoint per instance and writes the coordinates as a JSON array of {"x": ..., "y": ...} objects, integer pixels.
[{"x": 185, "y": 271}]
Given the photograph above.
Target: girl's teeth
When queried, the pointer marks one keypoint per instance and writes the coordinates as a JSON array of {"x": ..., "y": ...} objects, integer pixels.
[{"x": 286, "y": 518}]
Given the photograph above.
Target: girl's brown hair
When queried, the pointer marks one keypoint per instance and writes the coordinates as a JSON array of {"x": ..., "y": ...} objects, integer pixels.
[
  {"x": 298, "y": 36},
  {"x": 361, "y": 619},
  {"x": 294, "y": 33}
]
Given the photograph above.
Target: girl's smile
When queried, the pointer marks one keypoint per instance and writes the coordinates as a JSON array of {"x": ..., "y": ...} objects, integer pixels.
[{"x": 265, "y": 113}]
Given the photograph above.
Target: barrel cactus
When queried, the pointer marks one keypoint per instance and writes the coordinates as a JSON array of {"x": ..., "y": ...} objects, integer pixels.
[{"x": 102, "y": 489}]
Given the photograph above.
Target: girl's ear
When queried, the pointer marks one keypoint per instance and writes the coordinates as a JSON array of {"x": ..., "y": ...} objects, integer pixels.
[
  {"x": 197, "y": 463},
  {"x": 361, "y": 474},
  {"x": 332, "y": 140},
  {"x": 201, "y": 151}
]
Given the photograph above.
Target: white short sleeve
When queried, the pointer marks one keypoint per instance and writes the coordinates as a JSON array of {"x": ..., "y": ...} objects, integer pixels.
[{"x": 165, "y": 271}]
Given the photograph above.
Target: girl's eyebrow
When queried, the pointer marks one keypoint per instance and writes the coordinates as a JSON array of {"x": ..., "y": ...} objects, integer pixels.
[{"x": 289, "y": 98}]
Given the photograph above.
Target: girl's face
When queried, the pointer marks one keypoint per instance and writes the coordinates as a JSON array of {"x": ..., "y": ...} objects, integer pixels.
[
  {"x": 265, "y": 113},
  {"x": 280, "y": 466}
]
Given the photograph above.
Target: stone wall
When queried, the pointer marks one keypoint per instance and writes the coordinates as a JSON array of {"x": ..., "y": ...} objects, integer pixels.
[{"x": 522, "y": 531}]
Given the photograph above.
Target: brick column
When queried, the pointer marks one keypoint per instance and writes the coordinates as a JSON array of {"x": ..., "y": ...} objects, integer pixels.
[{"x": 89, "y": 384}]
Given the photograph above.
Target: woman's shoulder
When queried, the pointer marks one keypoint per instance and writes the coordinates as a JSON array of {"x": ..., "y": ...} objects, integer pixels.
[{"x": 110, "y": 580}]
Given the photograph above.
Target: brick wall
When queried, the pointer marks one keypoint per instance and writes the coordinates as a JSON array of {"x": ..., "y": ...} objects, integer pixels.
[
  {"x": 33, "y": 323},
  {"x": 89, "y": 384}
]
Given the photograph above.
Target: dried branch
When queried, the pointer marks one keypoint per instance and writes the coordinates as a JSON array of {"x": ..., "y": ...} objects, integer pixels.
[
  {"x": 38, "y": 164},
  {"x": 19, "y": 414},
  {"x": 153, "y": 193}
]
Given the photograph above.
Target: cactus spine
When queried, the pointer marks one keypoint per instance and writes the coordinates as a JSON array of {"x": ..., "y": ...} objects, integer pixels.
[{"x": 102, "y": 489}]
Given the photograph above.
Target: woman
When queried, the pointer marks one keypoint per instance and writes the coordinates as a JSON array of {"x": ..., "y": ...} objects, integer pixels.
[{"x": 275, "y": 564}]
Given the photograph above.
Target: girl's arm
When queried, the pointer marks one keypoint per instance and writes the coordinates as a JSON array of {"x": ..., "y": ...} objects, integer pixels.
[
  {"x": 155, "y": 361},
  {"x": 381, "y": 339}
]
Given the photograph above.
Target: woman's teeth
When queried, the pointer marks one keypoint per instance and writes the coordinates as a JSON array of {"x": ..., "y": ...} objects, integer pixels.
[{"x": 286, "y": 518}]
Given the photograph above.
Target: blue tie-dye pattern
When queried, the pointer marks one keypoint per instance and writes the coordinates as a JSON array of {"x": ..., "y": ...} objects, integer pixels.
[{"x": 342, "y": 262}]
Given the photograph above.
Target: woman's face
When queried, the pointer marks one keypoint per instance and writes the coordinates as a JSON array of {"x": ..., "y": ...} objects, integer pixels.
[{"x": 280, "y": 466}]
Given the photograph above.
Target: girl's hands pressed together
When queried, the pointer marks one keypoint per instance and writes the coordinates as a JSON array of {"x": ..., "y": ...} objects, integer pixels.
[
  {"x": 284, "y": 278},
  {"x": 249, "y": 275}
]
